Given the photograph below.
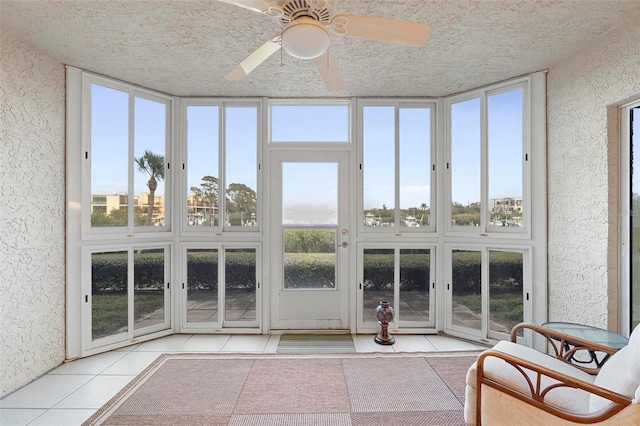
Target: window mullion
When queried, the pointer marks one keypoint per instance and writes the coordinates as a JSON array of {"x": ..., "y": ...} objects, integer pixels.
[
  {"x": 484, "y": 293},
  {"x": 130, "y": 292},
  {"x": 131, "y": 168},
  {"x": 222, "y": 137},
  {"x": 397, "y": 167},
  {"x": 221, "y": 284},
  {"x": 396, "y": 281},
  {"x": 484, "y": 161}
]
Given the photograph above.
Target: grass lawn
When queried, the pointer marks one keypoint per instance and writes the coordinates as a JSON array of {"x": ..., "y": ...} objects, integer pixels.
[
  {"x": 109, "y": 311},
  {"x": 505, "y": 309}
]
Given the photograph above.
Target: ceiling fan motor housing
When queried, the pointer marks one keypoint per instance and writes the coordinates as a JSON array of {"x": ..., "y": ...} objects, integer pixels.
[
  {"x": 305, "y": 38},
  {"x": 319, "y": 10}
]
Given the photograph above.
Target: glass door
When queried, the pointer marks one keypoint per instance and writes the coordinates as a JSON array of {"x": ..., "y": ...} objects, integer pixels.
[
  {"x": 403, "y": 275},
  {"x": 309, "y": 240},
  {"x": 487, "y": 291},
  {"x": 127, "y": 294},
  {"x": 633, "y": 118}
]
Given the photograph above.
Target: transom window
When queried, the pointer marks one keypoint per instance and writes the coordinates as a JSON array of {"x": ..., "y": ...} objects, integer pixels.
[{"x": 317, "y": 122}]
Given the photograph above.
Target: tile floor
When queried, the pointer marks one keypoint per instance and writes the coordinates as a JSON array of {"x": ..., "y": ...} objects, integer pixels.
[{"x": 71, "y": 393}]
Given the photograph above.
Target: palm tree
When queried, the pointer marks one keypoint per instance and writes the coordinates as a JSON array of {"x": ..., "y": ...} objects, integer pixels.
[{"x": 153, "y": 164}]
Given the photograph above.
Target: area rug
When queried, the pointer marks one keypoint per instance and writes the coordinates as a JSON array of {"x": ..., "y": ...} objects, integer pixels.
[
  {"x": 316, "y": 344},
  {"x": 332, "y": 390}
]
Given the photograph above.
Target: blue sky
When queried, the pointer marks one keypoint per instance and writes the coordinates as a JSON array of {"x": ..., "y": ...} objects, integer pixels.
[
  {"x": 504, "y": 135},
  {"x": 110, "y": 131},
  {"x": 379, "y": 156}
]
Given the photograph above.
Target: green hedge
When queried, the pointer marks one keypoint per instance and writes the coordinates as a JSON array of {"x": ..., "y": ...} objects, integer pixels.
[
  {"x": 109, "y": 272},
  {"x": 379, "y": 274},
  {"x": 505, "y": 272},
  {"x": 307, "y": 272}
]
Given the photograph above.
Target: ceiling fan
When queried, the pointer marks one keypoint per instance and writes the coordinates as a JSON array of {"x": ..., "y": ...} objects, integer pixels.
[{"x": 305, "y": 34}]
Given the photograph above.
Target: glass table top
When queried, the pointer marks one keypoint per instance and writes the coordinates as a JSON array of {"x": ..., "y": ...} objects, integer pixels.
[{"x": 592, "y": 334}]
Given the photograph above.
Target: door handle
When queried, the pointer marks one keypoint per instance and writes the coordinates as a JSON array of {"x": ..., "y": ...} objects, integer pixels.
[{"x": 343, "y": 245}]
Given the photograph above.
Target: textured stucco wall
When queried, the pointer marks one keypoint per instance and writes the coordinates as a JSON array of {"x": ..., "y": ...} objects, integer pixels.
[
  {"x": 579, "y": 89},
  {"x": 32, "y": 200}
]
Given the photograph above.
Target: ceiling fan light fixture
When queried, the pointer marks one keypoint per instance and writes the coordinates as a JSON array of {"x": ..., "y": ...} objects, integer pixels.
[{"x": 305, "y": 38}]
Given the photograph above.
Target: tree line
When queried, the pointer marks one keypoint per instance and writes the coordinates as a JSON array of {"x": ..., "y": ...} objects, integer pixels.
[{"x": 240, "y": 199}]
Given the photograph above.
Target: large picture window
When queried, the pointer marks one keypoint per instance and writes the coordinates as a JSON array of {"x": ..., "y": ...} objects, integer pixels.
[
  {"x": 128, "y": 161},
  {"x": 414, "y": 198},
  {"x": 397, "y": 167},
  {"x": 487, "y": 164},
  {"x": 222, "y": 166}
]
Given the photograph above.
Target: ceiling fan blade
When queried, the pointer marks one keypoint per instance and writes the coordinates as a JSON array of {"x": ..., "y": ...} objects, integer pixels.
[
  {"x": 405, "y": 32},
  {"x": 258, "y": 56},
  {"x": 329, "y": 71},
  {"x": 253, "y": 5}
]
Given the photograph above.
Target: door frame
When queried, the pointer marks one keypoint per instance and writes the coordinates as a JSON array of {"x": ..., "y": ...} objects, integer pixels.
[
  {"x": 626, "y": 234},
  {"x": 343, "y": 255}
]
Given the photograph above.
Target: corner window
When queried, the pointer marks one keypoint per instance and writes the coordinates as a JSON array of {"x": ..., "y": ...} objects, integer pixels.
[
  {"x": 127, "y": 159},
  {"x": 488, "y": 161}
]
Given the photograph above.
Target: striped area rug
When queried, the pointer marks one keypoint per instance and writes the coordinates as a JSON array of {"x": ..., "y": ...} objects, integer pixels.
[
  {"x": 316, "y": 344},
  {"x": 331, "y": 389}
]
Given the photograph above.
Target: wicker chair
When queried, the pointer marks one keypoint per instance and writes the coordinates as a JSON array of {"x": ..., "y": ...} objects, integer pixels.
[{"x": 516, "y": 385}]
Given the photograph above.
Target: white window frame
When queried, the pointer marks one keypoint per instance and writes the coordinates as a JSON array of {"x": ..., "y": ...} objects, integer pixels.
[
  {"x": 219, "y": 324},
  {"x": 397, "y": 230},
  {"x": 79, "y": 240},
  {"x": 89, "y": 232},
  {"x": 485, "y": 334},
  {"x": 221, "y": 228},
  {"x": 131, "y": 335},
  {"x": 624, "y": 112},
  {"x": 398, "y": 325},
  {"x": 483, "y": 94}
]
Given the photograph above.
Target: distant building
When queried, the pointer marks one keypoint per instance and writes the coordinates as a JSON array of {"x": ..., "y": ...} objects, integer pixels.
[
  {"x": 505, "y": 211},
  {"x": 106, "y": 203}
]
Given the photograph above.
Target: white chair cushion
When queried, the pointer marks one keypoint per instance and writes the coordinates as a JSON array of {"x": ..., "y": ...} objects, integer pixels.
[
  {"x": 535, "y": 357},
  {"x": 470, "y": 402},
  {"x": 621, "y": 373},
  {"x": 633, "y": 356},
  {"x": 613, "y": 376},
  {"x": 566, "y": 398}
]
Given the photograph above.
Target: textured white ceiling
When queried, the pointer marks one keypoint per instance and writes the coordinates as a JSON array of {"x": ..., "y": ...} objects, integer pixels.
[{"x": 185, "y": 47}]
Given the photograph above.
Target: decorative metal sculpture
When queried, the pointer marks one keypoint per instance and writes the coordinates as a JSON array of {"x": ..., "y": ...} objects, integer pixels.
[{"x": 385, "y": 314}]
